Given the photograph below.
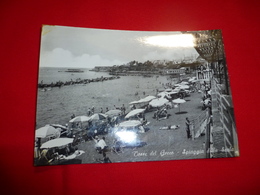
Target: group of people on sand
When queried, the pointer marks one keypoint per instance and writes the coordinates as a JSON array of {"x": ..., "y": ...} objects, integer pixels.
[
  {"x": 91, "y": 110},
  {"x": 160, "y": 114}
]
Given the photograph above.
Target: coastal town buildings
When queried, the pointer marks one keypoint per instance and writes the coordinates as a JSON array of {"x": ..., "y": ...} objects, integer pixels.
[{"x": 102, "y": 68}]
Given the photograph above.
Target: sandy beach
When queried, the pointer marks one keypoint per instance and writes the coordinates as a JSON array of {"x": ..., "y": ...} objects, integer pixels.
[
  {"x": 161, "y": 144},
  {"x": 56, "y": 106}
]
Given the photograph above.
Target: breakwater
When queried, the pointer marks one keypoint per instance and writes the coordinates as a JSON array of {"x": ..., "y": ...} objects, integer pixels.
[{"x": 43, "y": 85}]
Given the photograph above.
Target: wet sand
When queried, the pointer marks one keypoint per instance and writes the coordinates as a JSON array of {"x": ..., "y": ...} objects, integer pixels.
[{"x": 161, "y": 144}]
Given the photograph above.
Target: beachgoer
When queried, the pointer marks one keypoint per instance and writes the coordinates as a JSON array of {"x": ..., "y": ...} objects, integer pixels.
[
  {"x": 54, "y": 155},
  {"x": 170, "y": 127},
  {"x": 106, "y": 159},
  {"x": 45, "y": 157},
  {"x": 72, "y": 116},
  {"x": 123, "y": 109},
  {"x": 164, "y": 113},
  {"x": 188, "y": 128},
  {"x": 37, "y": 146},
  {"x": 93, "y": 109},
  {"x": 156, "y": 114},
  {"x": 101, "y": 110},
  {"x": 107, "y": 109},
  {"x": 141, "y": 129},
  {"x": 38, "y": 143},
  {"x": 89, "y": 112},
  {"x": 117, "y": 146},
  {"x": 100, "y": 145}
]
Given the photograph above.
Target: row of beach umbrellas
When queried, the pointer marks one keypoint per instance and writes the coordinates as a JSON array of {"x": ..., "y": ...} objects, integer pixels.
[
  {"x": 97, "y": 116},
  {"x": 53, "y": 130}
]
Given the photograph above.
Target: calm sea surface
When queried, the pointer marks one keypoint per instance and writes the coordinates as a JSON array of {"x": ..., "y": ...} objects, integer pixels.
[{"x": 55, "y": 106}]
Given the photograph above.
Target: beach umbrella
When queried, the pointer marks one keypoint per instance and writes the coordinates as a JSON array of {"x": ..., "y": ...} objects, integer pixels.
[
  {"x": 184, "y": 83},
  {"x": 163, "y": 95},
  {"x": 193, "y": 79},
  {"x": 79, "y": 119},
  {"x": 178, "y": 101},
  {"x": 57, "y": 142},
  {"x": 177, "y": 89},
  {"x": 158, "y": 102},
  {"x": 184, "y": 87},
  {"x": 47, "y": 131},
  {"x": 144, "y": 100},
  {"x": 98, "y": 116},
  {"x": 173, "y": 92},
  {"x": 112, "y": 113},
  {"x": 134, "y": 102},
  {"x": 59, "y": 126},
  {"x": 168, "y": 90},
  {"x": 131, "y": 123},
  {"x": 147, "y": 99},
  {"x": 134, "y": 112}
]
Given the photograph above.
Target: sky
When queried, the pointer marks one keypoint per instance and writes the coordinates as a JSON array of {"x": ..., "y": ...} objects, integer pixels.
[{"x": 86, "y": 48}]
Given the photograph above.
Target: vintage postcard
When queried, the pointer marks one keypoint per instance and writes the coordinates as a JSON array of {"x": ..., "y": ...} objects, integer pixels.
[{"x": 111, "y": 96}]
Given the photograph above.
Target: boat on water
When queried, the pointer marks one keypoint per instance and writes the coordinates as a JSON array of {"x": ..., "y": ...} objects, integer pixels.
[{"x": 76, "y": 70}]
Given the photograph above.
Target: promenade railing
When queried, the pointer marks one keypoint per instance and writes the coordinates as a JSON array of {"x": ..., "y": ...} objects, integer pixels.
[{"x": 198, "y": 124}]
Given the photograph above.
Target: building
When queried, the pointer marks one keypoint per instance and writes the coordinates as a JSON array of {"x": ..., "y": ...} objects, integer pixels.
[{"x": 222, "y": 133}]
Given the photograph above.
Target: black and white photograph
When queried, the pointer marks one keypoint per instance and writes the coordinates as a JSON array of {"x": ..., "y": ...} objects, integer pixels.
[{"x": 112, "y": 96}]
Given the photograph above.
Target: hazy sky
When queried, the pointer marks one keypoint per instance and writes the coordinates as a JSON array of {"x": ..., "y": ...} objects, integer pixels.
[{"x": 87, "y": 48}]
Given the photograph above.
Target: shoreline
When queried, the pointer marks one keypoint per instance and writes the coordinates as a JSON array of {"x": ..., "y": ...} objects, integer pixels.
[{"x": 161, "y": 144}]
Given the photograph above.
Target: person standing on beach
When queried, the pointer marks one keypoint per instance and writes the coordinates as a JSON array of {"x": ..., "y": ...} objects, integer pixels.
[
  {"x": 123, "y": 109},
  {"x": 188, "y": 128},
  {"x": 157, "y": 114},
  {"x": 38, "y": 148},
  {"x": 89, "y": 112}
]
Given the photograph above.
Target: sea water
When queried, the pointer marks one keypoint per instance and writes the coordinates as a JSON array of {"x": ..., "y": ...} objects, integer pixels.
[{"x": 56, "y": 105}]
